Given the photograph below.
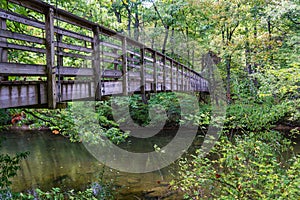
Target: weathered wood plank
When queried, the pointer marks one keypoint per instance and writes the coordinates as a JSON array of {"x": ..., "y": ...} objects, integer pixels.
[
  {"x": 72, "y": 71},
  {"x": 124, "y": 67},
  {"x": 97, "y": 63},
  {"x": 10, "y": 69},
  {"x": 113, "y": 46},
  {"x": 164, "y": 71},
  {"x": 12, "y": 96},
  {"x": 21, "y": 19},
  {"x": 110, "y": 54},
  {"x": 73, "y": 47},
  {"x": 72, "y": 34},
  {"x": 23, "y": 37},
  {"x": 112, "y": 73},
  {"x": 112, "y": 87},
  {"x": 22, "y": 47},
  {"x": 154, "y": 72},
  {"x": 3, "y": 51},
  {"x": 50, "y": 53},
  {"x": 74, "y": 55}
]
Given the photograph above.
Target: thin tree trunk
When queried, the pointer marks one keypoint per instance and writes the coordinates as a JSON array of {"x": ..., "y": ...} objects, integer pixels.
[
  {"x": 172, "y": 42},
  {"x": 136, "y": 24},
  {"x": 188, "y": 45},
  {"x": 153, "y": 38},
  {"x": 129, "y": 22},
  {"x": 270, "y": 39},
  {"x": 228, "y": 69},
  {"x": 247, "y": 53},
  {"x": 165, "y": 40}
]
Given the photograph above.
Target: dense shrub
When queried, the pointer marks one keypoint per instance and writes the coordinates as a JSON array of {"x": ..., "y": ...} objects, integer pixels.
[{"x": 250, "y": 167}]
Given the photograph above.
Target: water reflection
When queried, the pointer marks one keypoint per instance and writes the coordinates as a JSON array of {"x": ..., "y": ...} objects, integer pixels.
[{"x": 56, "y": 162}]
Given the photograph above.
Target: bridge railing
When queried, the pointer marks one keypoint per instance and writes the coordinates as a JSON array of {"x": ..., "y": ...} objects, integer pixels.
[{"x": 57, "y": 52}]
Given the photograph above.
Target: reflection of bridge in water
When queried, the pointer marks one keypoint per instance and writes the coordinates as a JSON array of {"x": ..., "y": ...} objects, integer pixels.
[{"x": 54, "y": 64}]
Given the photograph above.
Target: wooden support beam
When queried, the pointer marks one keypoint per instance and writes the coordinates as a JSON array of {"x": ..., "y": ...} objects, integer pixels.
[
  {"x": 171, "y": 66},
  {"x": 154, "y": 55},
  {"x": 177, "y": 77},
  {"x": 60, "y": 64},
  {"x": 124, "y": 67},
  {"x": 50, "y": 57},
  {"x": 164, "y": 73},
  {"x": 182, "y": 85},
  {"x": 142, "y": 74},
  {"x": 3, "y": 51},
  {"x": 96, "y": 63}
]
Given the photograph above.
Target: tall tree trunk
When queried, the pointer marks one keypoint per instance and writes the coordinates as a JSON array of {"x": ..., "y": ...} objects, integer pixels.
[
  {"x": 153, "y": 38},
  {"x": 165, "y": 40},
  {"x": 136, "y": 23},
  {"x": 188, "y": 45},
  {"x": 270, "y": 39},
  {"x": 172, "y": 42},
  {"x": 228, "y": 69},
  {"x": 129, "y": 22},
  {"x": 247, "y": 53}
]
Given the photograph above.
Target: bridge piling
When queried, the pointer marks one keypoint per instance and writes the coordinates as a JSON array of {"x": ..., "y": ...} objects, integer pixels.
[
  {"x": 142, "y": 74},
  {"x": 154, "y": 55},
  {"x": 124, "y": 67},
  {"x": 50, "y": 53},
  {"x": 96, "y": 63},
  {"x": 3, "y": 51}
]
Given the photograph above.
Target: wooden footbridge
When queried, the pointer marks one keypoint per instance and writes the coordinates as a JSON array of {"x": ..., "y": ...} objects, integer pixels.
[{"x": 49, "y": 56}]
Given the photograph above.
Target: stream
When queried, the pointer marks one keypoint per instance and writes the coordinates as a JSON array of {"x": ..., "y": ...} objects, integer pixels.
[{"x": 56, "y": 162}]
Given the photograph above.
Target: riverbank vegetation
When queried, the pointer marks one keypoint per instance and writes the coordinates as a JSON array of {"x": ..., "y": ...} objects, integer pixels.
[{"x": 255, "y": 47}]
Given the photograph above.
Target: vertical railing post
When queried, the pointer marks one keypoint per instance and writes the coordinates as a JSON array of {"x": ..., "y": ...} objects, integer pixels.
[
  {"x": 177, "y": 77},
  {"x": 171, "y": 66},
  {"x": 164, "y": 73},
  {"x": 60, "y": 63},
  {"x": 154, "y": 55},
  {"x": 96, "y": 63},
  {"x": 142, "y": 74},
  {"x": 182, "y": 86},
  {"x": 124, "y": 66},
  {"x": 189, "y": 79},
  {"x": 50, "y": 57},
  {"x": 3, "y": 51}
]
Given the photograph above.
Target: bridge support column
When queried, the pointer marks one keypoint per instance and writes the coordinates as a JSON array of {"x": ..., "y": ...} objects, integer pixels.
[
  {"x": 154, "y": 55},
  {"x": 177, "y": 78},
  {"x": 182, "y": 77},
  {"x": 142, "y": 73},
  {"x": 97, "y": 63},
  {"x": 3, "y": 51},
  {"x": 50, "y": 57},
  {"x": 124, "y": 66},
  {"x": 171, "y": 66},
  {"x": 164, "y": 73}
]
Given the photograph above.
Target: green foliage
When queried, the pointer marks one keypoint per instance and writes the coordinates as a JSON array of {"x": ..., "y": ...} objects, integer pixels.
[
  {"x": 86, "y": 121},
  {"x": 251, "y": 167},
  {"x": 258, "y": 116},
  {"x": 9, "y": 165},
  {"x": 96, "y": 191},
  {"x": 4, "y": 117}
]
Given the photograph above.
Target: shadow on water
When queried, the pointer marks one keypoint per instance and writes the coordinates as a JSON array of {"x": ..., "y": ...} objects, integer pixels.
[{"x": 56, "y": 162}]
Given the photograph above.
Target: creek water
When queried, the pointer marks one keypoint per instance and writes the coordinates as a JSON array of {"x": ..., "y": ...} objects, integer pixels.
[{"x": 56, "y": 162}]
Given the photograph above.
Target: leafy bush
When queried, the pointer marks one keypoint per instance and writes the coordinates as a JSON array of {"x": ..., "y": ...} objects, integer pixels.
[
  {"x": 9, "y": 165},
  {"x": 251, "y": 167},
  {"x": 96, "y": 191},
  {"x": 257, "y": 117}
]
